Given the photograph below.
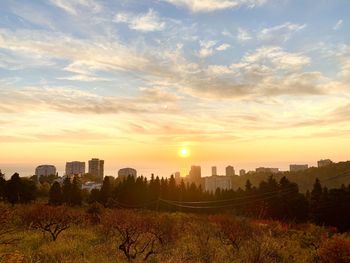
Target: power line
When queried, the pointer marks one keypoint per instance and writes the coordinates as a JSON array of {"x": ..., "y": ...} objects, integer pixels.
[
  {"x": 217, "y": 206},
  {"x": 237, "y": 198}
]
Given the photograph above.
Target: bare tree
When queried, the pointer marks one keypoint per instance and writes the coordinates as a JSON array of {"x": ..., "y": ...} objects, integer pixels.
[
  {"x": 232, "y": 232},
  {"x": 140, "y": 234},
  {"x": 53, "y": 220}
]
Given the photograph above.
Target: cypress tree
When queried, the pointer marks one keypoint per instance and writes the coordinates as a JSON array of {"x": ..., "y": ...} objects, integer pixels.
[
  {"x": 67, "y": 191},
  {"x": 76, "y": 197},
  {"x": 55, "y": 194}
]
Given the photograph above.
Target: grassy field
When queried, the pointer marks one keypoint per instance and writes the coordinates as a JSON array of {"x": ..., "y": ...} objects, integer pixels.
[{"x": 172, "y": 237}]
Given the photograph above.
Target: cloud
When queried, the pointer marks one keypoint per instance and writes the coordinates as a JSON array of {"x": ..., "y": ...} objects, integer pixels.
[
  {"x": 74, "y": 7},
  {"x": 75, "y": 101},
  {"x": 338, "y": 25},
  {"x": 243, "y": 35},
  {"x": 142, "y": 22},
  {"x": 276, "y": 57},
  {"x": 268, "y": 71},
  {"x": 215, "y": 5},
  {"x": 206, "y": 48},
  {"x": 280, "y": 33},
  {"x": 223, "y": 47}
]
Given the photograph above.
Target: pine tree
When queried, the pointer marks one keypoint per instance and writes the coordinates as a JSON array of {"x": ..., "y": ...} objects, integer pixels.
[{"x": 55, "y": 194}]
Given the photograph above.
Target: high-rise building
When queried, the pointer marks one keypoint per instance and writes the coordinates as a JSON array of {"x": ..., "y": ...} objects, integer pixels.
[
  {"x": 195, "y": 172},
  {"x": 214, "y": 171},
  {"x": 298, "y": 167},
  {"x": 75, "y": 168},
  {"x": 266, "y": 170},
  {"x": 96, "y": 167},
  {"x": 325, "y": 162},
  {"x": 241, "y": 172},
  {"x": 125, "y": 172},
  {"x": 230, "y": 171},
  {"x": 213, "y": 182},
  {"x": 177, "y": 177},
  {"x": 45, "y": 170}
]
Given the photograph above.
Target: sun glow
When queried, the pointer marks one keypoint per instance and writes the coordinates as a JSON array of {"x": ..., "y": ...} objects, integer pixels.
[{"x": 184, "y": 152}]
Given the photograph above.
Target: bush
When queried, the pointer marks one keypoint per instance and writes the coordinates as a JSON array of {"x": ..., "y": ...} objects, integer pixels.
[
  {"x": 335, "y": 250},
  {"x": 6, "y": 228}
]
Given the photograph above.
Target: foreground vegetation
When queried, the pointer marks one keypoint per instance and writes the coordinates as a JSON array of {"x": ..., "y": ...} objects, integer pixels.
[{"x": 43, "y": 233}]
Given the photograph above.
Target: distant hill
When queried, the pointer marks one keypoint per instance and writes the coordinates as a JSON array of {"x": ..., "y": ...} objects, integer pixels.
[{"x": 332, "y": 176}]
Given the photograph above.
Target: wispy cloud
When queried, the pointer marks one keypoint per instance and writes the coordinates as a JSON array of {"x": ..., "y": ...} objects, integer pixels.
[
  {"x": 338, "y": 25},
  {"x": 243, "y": 35},
  {"x": 223, "y": 47},
  {"x": 73, "y": 7},
  {"x": 280, "y": 33},
  {"x": 147, "y": 22},
  {"x": 215, "y": 5}
]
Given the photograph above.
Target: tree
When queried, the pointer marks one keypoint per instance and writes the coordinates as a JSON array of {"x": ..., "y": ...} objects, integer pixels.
[
  {"x": 106, "y": 190},
  {"x": 55, "y": 194},
  {"x": 232, "y": 232},
  {"x": 53, "y": 220},
  {"x": 76, "y": 197},
  {"x": 67, "y": 191},
  {"x": 2, "y": 186},
  {"x": 13, "y": 187},
  {"x": 140, "y": 235}
]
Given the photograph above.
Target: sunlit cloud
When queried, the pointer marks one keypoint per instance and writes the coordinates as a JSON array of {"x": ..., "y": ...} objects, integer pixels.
[
  {"x": 73, "y": 7},
  {"x": 149, "y": 21},
  {"x": 243, "y": 35},
  {"x": 280, "y": 33},
  {"x": 214, "y": 5}
]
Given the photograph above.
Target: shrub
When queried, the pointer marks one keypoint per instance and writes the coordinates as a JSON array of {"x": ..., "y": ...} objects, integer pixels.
[
  {"x": 6, "y": 228},
  {"x": 94, "y": 212},
  {"x": 335, "y": 250}
]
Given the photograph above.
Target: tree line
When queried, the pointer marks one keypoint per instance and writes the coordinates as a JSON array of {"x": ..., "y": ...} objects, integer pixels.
[{"x": 271, "y": 199}]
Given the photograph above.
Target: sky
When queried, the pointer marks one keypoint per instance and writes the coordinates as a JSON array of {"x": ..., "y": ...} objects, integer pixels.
[{"x": 246, "y": 83}]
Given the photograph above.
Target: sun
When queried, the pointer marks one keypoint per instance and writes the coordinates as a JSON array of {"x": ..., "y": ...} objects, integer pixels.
[{"x": 184, "y": 152}]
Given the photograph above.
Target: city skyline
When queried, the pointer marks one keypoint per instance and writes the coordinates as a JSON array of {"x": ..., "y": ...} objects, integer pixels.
[
  {"x": 246, "y": 83},
  {"x": 207, "y": 170}
]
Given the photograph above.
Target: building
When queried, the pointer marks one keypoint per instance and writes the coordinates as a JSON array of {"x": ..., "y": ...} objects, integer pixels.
[
  {"x": 195, "y": 175},
  {"x": 298, "y": 167},
  {"x": 45, "y": 170},
  {"x": 266, "y": 170},
  {"x": 96, "y": 167},
  {"x": 325, "y": 162},
  {"x": 91, "y": 185},
  {"x": 195, "y": 172},
  {"x": 214, "y": 171},
  {"x": 177, "y": 177},
  {"x": 230, "y": 171},
  {"x": 125, "y": 172},
  {"x": 241, "y": 172},
  {"x": 214, "y": 182},
  {"x": 75, "y": 168}
]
